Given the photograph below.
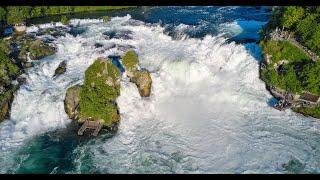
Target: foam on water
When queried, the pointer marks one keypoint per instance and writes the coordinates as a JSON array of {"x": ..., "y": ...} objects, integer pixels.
[{"x": 207, "y": 112}]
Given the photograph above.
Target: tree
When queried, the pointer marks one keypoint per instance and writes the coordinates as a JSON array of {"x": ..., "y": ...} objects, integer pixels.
[
  {"x": 291, "y": 16},
  {"x": 65, "y": 9},
  {"x": 303, "y": 27},
  {"x": 2, "y": 14},
  {"x": 314, "y": 42},
  {"x": 36, "y": 11},
  {"x": 17, "y": 14},
  {"x": 54, "y": 9},
  {"x": 291, "y": 80}
]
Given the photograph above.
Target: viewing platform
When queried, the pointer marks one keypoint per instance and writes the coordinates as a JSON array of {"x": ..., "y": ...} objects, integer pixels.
[{"x": 89, "y": 124}]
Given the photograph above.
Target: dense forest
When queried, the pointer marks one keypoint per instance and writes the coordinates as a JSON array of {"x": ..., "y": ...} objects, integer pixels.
[{"x": 19, "y": 14}]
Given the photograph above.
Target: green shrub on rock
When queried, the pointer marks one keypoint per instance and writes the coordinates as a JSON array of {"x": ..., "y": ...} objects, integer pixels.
[
  {"x": 130, "y": 61},
  {"x": 99, "y": 92},
  {"x": 64, "y": 20},
  {"x": 141, "y": 78},
  {"x": 105, "y": 18},
  {"x": 37, "y": 49}
]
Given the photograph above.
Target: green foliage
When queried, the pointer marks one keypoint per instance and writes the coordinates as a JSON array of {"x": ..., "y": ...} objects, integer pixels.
[
  {"x": 292, "y": 83},
  {"x": 291, "y": 15},
  {"x": 17, "y": 14},
  {"x": 5, "y": 46},
  {"x": 97, "y": 97},
  {"x": 303, "y": 21},
  {"x": 309, "y": 77},
  {"x": 130, "y": 60},
  {"x": 97, "y": 8},
  {"x": 283, "y": 50},
  {"x": 64, "y": 20},
  {"x": 36, "y": 11},
  {"x": 300, "y": 73},
  {"x": 314, "y": 42},
  {"x": 2, "y": 14},
  {"x": 303, "y": 27},
  {"x": 8, "y": 70},
  {"x": 54, "y": 9}
]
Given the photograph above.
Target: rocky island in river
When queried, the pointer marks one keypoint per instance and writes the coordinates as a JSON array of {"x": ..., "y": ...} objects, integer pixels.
[{"x": 95, "y": 100}]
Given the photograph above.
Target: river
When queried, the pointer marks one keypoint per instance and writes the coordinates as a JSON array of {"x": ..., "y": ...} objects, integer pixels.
[{"x": 208, "y": 111}]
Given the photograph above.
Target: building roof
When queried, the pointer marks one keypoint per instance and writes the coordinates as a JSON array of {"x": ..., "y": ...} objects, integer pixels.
[{"x": 309, "y": 97}]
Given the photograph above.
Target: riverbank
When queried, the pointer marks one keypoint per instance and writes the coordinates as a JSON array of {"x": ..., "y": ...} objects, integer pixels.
[{"x": 290, "y": 70}]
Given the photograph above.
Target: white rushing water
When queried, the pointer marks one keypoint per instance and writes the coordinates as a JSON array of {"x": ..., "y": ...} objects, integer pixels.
[{"x": 207, "y": 113}]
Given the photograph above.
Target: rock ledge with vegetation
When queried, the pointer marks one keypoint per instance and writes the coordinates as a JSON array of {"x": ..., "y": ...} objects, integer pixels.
[
  {"x": 96, "y": 98},
  {"x": 141, "y": 78}
]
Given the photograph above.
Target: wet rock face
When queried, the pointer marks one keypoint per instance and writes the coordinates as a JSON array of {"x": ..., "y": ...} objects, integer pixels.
[
  {"x": 27, "y": 64},
  {"x": 4, "y": 109},
  {"x": 62, "y": 68},
  {"x": 75, "y": 31},
  {"x": 71, "y": 101},
  {"x": 126, "y": 35},
  {"x": 143, "y": 81}
]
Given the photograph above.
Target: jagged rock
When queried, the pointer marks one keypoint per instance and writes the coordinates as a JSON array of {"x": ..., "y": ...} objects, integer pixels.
[
  {"x": 143, "y": 81},
  {"x": 5, "y": 103},
  {"x": 21, "y": 80},
  {"x": 98, "y": 45},
  {"x": 4, "y": 109},
  {"x": 71, "y": 101},
  {"x": 27, "y": 64},
  {"x": 62, "y": 68}
]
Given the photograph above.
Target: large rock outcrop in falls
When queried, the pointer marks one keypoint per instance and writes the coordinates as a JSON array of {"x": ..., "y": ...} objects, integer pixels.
[
  {"x": 141, "y": 78},
  {"x": 96, "y": 98}
]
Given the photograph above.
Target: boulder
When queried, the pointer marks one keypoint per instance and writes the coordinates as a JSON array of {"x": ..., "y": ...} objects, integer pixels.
[
  {"x": 21, "y": 80},
  {"x": 71, "y": 101},
  {"x": 143, "y": 81},
  {"x": 27, "y": 65},
  {"x": 5, "y": 103},
  {"x": 62, "y": 68}
]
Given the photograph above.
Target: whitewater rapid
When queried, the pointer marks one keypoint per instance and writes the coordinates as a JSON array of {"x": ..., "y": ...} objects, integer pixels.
[{"x": 208, "y": 111}]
